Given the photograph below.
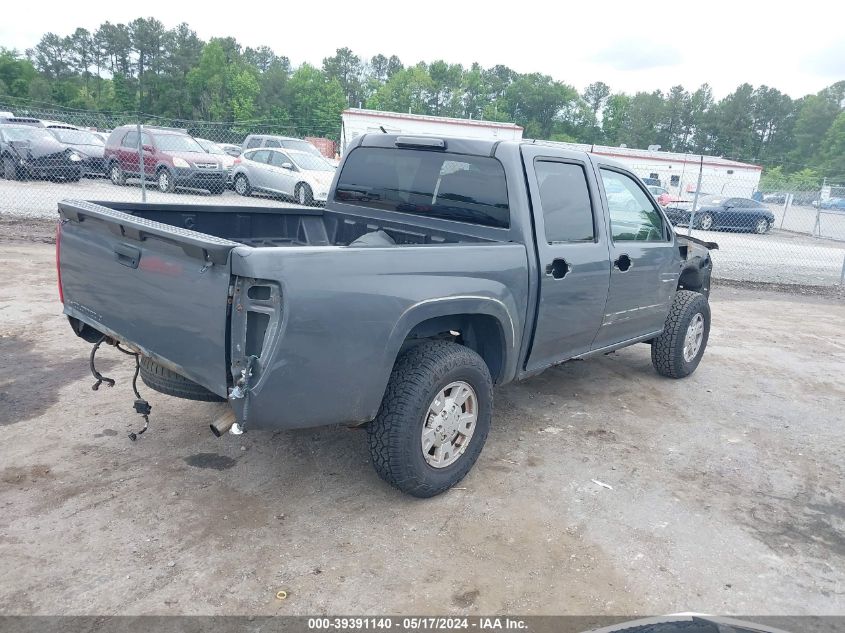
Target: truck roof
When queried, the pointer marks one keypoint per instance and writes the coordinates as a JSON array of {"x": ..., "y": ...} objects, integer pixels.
[{"x": 459, "y": 145}]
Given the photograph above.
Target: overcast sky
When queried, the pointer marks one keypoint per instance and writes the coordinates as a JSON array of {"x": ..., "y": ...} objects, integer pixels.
[{"x": 797, "y": 47}]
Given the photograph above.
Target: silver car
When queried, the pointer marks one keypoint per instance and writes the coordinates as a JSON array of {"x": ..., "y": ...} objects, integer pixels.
[{"x": 301, "y": 175}]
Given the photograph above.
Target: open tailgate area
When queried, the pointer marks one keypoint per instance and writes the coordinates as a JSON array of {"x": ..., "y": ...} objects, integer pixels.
[{"x": 160, "y": 288}]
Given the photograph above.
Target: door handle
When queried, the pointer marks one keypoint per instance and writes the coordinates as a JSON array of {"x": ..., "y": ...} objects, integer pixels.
[
  {"x": 127, "y": 255},
  {"x": 623, "y": 263},
  {"x": 558, "y": 269}
]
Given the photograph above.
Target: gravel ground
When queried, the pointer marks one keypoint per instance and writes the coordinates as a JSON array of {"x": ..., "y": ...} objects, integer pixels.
[{"x": 725, "y": 489}]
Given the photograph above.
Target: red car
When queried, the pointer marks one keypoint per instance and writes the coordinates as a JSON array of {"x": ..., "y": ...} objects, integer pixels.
[
  {"x": 663, "y": 197},
  {"x": 172, "y": 158}
]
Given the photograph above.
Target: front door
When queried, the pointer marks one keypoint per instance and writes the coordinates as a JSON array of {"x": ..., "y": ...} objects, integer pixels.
[
  {"x": 644, "y": 261},
  {"x": 284, "y": 178},
  {"x": 572, "y": 249}
]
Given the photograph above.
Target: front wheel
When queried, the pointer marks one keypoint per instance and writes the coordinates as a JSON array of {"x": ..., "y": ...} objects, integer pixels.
[
  {"x": 10, "y": 170},
  {"x": 434, "y": 418},
  {"x": 761, "y": 226},
  {"x": 165, "y": 181},
  {"x": 304, "y": 195},
  {"x": 677, "y": 352},
  {"x": 116, "y": 175}
]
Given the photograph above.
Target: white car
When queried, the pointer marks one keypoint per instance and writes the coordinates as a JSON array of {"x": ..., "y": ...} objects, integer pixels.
[
  {"x": 301, "y": 175},
  {"x": 222, "y": 155}
]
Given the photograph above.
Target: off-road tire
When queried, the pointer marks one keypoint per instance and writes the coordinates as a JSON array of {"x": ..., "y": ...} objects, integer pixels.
[
  {"x": 395, "y": 434},
  {"x": 667, "y": 350},
  {"x": 172, "y": 384}
]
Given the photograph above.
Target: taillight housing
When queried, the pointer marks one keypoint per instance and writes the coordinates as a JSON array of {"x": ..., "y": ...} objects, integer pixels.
[{"x": 59, "y": 260}]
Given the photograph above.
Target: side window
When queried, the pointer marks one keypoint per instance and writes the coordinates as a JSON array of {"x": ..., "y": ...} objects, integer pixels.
[
  {"x": 565, "y": 198},
  {"x": 146, "y": 139},
  {"x": 130, "y": 140},
  {"x": 261, "y": 156},
  {"x": 277, "y": 159},
  {"x": 632, "y": 215},
  {"x": 253, "y": 142},
  {"x": 272, "y": 143},
  {"x": 675, "y": 180}
]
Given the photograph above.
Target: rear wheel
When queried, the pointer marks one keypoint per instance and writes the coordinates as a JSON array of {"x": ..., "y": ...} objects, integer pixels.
[
  {"x": 164, "y": 180},
  {"x": 705, "y": 222},
  {"x": 116, "y": 175},
  {"x": 242, "y": 186},
  {"x": 10, "y": 170},
  {"x": 304, "y": 195},
  {"x": 172, "y": 384},
  {"x": 434, "y": 418},
  {"x": 678, "y": 350}
]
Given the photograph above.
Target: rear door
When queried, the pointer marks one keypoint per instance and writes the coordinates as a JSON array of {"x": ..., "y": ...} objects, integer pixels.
[
  {"x": 644, "y": 267},
  {"x": 258, "y": 167},
  {"x": 573, "y": 253},
  {"x": 128, "y": 153},
  {"x": 160, "y": 288}
]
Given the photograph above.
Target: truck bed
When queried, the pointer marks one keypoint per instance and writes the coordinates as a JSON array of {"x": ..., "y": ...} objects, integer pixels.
[{"x": 284, "y": 226}]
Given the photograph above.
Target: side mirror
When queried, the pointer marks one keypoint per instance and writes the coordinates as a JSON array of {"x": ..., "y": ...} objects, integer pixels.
[
  {"x": 288, "y": 166},
  {"x": 148, "y": 148}
]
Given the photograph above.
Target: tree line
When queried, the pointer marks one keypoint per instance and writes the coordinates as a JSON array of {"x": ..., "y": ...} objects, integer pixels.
[{"x": 145, "y": 67}]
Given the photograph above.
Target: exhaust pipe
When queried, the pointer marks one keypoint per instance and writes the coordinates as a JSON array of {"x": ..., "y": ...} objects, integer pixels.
[{"x": 222, "y": 424}]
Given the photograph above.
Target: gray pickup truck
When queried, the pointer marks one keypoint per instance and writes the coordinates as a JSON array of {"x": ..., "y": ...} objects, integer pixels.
[{"x": 438, "y": 268}]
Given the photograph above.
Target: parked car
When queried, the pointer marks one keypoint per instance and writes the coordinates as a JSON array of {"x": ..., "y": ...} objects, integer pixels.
[
  {"x": 284, "y": 142},
  {"x": 223, "y": 156},
  {"x": 231, "y": 149},
  {"x": 830, "y": 203},
  {"x": 21, "y": 120},
  {"x": 172, "y": 158},
  {"x": 717, "y": 212},
  {"x": 301, "y": 175},
  {"x": 662, "y": 196},
  {"x": 774, "y": 198},
  {"x": 88, "y": 145},
  {"x": 27, "y": 151},
  {"x": 401, "y": 304}
]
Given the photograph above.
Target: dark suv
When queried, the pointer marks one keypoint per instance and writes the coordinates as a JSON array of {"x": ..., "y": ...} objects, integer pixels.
[{"x": 172, "y": 158}]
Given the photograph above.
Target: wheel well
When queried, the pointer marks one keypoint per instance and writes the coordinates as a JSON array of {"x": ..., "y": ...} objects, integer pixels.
[
  {"x": 691, "y": 279},
  {"x": 481, "y": 333}
]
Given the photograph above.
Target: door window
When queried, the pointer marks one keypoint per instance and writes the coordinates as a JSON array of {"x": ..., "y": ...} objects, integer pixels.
[
  {"x": 632, "y": 215},
  {"x": 277, "y": 159},
  {"x": 261, "y": 156},
  {"x": 272, "y": 143},
  {"x": 130, "y": 140},
  {"x": 565, "y": 198},
  {"x": 253, "y": 142}
]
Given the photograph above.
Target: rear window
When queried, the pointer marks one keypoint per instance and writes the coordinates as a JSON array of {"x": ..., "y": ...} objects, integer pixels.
[{"x": 434, "y": 184}]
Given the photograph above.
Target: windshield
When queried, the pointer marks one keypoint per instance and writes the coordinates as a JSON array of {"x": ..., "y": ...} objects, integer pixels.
[
  {"x": 210, "y": 147},
  {"x": 26, "y": 134},
  {"x": 710, "y": 201},
  {"x": 310, "y": 162},
  {"x": 302, "y": 146},
  {"x": 77, "y": 137},
  {"x": 178, "y": 143}
]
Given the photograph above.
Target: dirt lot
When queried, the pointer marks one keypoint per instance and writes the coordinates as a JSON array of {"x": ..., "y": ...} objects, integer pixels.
[{"x": 727, "y": 488}]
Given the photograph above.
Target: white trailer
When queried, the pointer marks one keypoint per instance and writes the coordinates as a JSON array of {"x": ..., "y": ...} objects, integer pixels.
[
  {"x": 355, "y": 122},
  {"x": 678, "y": 173}
]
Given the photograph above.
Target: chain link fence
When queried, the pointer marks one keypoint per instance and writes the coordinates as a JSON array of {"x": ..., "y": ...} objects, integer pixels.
[{"x": 776, "y": 232}]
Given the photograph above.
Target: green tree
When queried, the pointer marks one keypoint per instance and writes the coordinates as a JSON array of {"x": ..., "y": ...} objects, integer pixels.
[
  {"x": 596, "y": 95},
  {"x": 316, "y": 102}
]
